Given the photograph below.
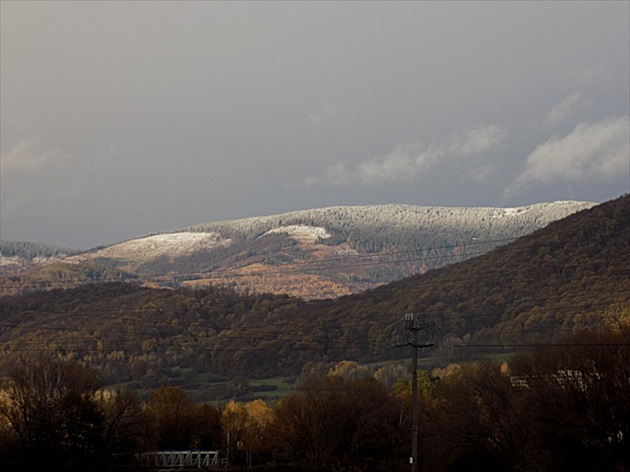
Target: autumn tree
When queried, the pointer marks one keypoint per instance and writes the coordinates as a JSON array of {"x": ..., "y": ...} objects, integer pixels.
[
  {"x": 350, "y": 370},
  {"x": 560, "y": 407},
  {"x": 474, "y": 422},
  {"x": 234, "y": 418},
  {"x": 246, "y": 428},
  {"x": 257, "y": 441},
  {"x": 181, "y": 424},
  {"x": 51, "y": 417},
  {"x": 334, "y": 422},
  {"x": 125, "y": 421},
  {"x": 578, "y": 396}
]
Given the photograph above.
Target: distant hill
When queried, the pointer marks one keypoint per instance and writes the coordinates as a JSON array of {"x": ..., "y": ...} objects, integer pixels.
[
  {"x": 570, "y": 276},
  {"x": 18, "y": 252},
  {"x": 319, "y": 253}
]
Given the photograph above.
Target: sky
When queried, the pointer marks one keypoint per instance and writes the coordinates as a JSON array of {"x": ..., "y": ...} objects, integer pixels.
[{"x": 120, "y": 119}]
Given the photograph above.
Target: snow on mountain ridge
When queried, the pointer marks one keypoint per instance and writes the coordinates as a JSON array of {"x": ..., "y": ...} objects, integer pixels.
[
  {"x": 164, "y": 244},
  {"x": 302, "y": 232},
  {"x": 407, "y": 215},
  {"x": 387, "y": 218}
]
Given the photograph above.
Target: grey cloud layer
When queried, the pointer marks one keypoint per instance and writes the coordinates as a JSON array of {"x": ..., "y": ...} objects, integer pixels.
[
  {"x": 123, "y": 118},
  {"x": 406, "y": 161},
  {"x": 597, "y": 150}
]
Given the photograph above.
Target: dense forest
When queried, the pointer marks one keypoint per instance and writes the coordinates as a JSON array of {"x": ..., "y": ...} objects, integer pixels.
[{"x": 570, "y": 276}]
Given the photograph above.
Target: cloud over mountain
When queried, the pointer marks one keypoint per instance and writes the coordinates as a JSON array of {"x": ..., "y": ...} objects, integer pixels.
[
  {"x": 591, "y": 151},
  {"x": 407, "y": 160}
]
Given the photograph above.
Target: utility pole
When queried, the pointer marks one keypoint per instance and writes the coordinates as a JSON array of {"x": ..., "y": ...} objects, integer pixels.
[{"x": 414, "y": 326}]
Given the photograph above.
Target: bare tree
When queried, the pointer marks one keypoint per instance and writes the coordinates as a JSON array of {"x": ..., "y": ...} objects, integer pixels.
[{"x": 51, "y": 415}]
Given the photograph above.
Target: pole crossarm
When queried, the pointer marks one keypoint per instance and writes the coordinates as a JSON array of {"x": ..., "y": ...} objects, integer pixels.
[{"x": 418, "y": 345}]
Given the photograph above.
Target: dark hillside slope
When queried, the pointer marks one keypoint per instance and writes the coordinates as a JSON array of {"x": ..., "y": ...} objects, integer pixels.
[{"x": 569, "y": 276}]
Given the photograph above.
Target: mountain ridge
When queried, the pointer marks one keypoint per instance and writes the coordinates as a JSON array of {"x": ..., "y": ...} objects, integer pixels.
[{"x": 319, "y": 247}]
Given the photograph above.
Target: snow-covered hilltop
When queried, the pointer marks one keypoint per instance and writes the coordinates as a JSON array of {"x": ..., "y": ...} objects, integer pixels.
[
  {"x": 323, "y": 252},
  {"x": 396, "y": 221},
  {"x": 158, "y": 245},
  {"x": 362, "y": 229}
]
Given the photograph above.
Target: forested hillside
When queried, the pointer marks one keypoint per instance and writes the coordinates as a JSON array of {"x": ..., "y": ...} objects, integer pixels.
[
  {"x": 569, "y": 276},
  {"x": 28, "y": 251}
]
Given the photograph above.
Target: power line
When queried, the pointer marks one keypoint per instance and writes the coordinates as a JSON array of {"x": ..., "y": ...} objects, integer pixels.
[
  {"x": 131, "y": 315},
  {"x": 229, "y": 334},
  {"x": 430, "y": 279},
  {"x": 209, "y": 275}
]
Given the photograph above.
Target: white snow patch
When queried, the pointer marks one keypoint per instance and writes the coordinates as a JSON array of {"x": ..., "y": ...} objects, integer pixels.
[
  {"x": 168, "y": 244},
  {"x": 347, "y": 252},
  {"x": 302, "y": 232},
  {"x": 8, "y": 261},
  {"x": 17, "y": 260}
]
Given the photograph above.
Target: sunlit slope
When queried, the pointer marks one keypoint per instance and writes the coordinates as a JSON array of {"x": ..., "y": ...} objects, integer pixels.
[{"x": 325, "y": 252}]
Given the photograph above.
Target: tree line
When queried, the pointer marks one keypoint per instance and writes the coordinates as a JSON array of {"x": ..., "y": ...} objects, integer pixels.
[
  {"x": 561, "y": 407},
  {"x": 30, "y": 251}
]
